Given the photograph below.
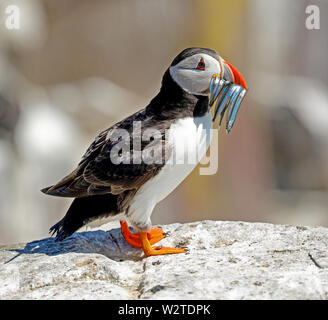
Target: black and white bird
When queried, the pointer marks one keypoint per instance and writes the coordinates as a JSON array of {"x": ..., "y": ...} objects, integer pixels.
[{"x": 137, "y": 162}]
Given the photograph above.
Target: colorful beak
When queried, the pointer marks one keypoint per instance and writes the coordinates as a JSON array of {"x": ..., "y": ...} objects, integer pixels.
[{"x": 228, "y": 90}]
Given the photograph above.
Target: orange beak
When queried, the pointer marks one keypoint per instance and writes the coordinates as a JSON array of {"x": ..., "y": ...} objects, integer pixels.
[{"x": 237, "y": 77}]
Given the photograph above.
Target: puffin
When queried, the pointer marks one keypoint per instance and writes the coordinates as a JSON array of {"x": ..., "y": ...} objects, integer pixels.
[{"x": 137, "y": 162}]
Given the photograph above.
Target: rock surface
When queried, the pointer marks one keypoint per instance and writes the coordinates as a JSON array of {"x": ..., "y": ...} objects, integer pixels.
[{"x": 227, "y": 260}]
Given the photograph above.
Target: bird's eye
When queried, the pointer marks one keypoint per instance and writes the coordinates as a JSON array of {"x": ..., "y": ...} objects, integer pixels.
[{"x": 201, "y": 64}]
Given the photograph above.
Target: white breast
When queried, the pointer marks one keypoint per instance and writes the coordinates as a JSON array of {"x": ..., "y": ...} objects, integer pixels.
[{"x": 190, "y": 138}]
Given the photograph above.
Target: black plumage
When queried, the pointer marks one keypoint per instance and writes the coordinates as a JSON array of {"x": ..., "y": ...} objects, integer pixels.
[
  {"x": 101, "y": 188},
  {"x": 85, "y": 209}
]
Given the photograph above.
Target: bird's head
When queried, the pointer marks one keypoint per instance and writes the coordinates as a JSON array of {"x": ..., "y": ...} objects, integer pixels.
[{"x": 202, "y": 72}]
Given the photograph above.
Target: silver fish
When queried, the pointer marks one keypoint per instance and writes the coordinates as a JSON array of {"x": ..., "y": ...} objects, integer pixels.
[{"x": 228, "y": 97}]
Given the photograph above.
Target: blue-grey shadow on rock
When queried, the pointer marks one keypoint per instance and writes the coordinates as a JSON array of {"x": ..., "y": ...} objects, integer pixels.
[{"x": 108, "y": 243}]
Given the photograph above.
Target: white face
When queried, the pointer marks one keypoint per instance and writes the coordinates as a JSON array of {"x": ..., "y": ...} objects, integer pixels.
[{"x": 191, "y": 75}]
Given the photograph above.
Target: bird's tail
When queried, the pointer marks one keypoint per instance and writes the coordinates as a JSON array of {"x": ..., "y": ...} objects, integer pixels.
[{"x": 83, "y": 210}]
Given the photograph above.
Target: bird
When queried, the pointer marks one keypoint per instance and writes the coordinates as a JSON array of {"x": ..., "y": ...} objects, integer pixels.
[{"x": 137, "y": 162}]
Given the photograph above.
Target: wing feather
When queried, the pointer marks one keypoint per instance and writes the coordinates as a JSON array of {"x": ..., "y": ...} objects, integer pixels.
[{"x": 112, "y": 165}]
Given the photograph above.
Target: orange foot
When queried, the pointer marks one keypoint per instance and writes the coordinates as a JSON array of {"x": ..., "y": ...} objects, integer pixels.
[
  {"x": 144, "y": 240},
  {"x": 155, "y": 251},
  {"x": 154, "y": 235}
]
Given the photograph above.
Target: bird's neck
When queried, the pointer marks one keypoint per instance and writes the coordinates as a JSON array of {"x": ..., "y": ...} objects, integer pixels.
[{"x": 172, "y": 102}]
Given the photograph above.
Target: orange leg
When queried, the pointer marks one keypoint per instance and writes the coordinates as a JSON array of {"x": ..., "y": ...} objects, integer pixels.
[
  {"x": 154, "y": 251},
  {"x": 154, "y": 235}
]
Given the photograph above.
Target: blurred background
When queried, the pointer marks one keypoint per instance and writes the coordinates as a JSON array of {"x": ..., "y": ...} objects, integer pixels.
[{"x": 75, "y": 67}]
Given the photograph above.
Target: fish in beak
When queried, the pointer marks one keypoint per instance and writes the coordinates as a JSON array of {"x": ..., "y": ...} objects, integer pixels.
[{"x": 228, "y": 90}]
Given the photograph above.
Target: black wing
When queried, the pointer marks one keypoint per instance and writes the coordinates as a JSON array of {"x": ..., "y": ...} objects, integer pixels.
[{"x": 113, "y": 164}]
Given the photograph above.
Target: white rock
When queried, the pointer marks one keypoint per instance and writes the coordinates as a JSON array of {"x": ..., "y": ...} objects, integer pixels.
[{"x": 227, "y": 260}]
